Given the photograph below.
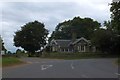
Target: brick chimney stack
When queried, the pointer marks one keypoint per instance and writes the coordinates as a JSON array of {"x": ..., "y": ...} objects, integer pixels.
[{"x": 74, "y": 35}]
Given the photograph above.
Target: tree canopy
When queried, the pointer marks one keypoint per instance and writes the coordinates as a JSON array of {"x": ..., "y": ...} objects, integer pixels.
[
  {"x": 108, "y": 40},
  {"x": 115, "y": 23},
  {"x": 31, "y": 37},
  {"x": 103, "y": 39},
  {"x": 115, "y": 17},
  {"x": 81, "y": 27}
]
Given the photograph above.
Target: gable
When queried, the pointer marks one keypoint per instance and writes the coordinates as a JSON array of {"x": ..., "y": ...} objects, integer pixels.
[
  {"x": 81, "y": 41},
  {"x": 53, "y": 42}
]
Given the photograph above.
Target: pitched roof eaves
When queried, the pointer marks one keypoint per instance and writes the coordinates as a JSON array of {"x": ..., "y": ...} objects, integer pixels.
[{"x": 82, "y": 38}]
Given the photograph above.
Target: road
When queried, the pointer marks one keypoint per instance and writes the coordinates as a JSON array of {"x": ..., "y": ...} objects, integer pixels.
[{"x": 53, "y": 68}]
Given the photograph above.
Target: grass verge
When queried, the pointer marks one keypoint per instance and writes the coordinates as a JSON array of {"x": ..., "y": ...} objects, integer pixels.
[
  {"x": 56, "y": 55},
  {"x": 118, "y": 61},
  {"x": 10, "y": 61}
]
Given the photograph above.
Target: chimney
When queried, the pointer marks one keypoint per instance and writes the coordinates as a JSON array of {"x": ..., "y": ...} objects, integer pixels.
[{"x": 74, "y": 36}]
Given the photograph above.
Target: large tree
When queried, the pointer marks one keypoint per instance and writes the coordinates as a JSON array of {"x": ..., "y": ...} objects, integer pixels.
[
  {"x": 108, "y": 40},
  {"x": 115, "y": 23},
  {"x": 79, "y": 27},
  {"x": 104, "y": 40},
  {"x": 115, "y": 17},
  {"x": 31, "y": 37}
]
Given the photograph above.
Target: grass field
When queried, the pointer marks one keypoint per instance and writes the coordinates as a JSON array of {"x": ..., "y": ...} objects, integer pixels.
[{"x": 10, "y": 61}]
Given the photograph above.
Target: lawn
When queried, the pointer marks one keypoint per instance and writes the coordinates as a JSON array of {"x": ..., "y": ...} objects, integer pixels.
[{"x": 10, "y": 61}]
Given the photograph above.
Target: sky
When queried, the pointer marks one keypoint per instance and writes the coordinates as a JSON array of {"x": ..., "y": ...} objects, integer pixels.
[{"x": 14, "y": 14}]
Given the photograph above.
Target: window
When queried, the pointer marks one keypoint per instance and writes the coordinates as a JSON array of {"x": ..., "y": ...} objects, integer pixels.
[
  {"x": 82, "y": 48},
  {"x": 53, "y": 48}
]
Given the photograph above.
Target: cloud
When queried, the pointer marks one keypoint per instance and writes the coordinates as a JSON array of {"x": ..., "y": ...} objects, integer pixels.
[{"x": 16, "y": 14}]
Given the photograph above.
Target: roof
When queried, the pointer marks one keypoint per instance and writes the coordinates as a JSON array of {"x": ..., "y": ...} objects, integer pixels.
[
  {"x": 63, "y": 43},
  {"x": 82, "y": 38},
  {"x": 66, "y": 43}
]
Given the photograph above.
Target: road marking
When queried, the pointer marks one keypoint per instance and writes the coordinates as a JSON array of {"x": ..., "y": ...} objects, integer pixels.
[
  {"x": 44, "y": 67},
  {"x": 72, "y": 65},
  {"x": 117, "y": 74}
]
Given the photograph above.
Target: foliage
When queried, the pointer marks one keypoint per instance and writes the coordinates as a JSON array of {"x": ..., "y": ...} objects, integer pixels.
[
  {"x": 31, "y": 37},
  {"x": 108, "y": 25},
  {"x": 115, "y": 16},
  {"x": 81, "y": 27},
  {"x": 3, "y": 47},
  {"x": 108, "y": 40},
  {"x": 18, "y": 51},
  {"x": 102, "y": 39},
  {"x": 9, "y": 52},
  {"x": 115, "y": 23}
]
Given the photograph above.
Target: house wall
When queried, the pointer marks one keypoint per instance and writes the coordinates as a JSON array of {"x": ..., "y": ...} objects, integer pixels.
[
  {"x": 66, "y": 49},
  {"x": 54, "y": 48},
  {"x": 81, "y": 46},
  {"x": 75, "y": 48}
]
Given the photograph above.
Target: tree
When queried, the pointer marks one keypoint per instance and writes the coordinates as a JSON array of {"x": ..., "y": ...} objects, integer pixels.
[
  {"x": 3, "y": 48},
  {"x": 108, "y": 25},
  {"x": 108, "y": 40},
  {"x": 9, "y": 52},
  {"x": 18, "y": 52},
  {"x": 115, "y": 23},
  {"x": 80, "y": 27},
  {"x": 31, "y": 37},
  {"x": 103, "y": 40},
  {"x": 115, "y": 17}
]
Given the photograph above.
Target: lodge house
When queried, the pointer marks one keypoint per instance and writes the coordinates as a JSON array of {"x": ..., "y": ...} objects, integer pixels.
[{"x": 77, "y": 45}]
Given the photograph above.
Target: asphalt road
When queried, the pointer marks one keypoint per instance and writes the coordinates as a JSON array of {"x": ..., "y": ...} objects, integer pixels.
[{"x": 51, "y": 68}]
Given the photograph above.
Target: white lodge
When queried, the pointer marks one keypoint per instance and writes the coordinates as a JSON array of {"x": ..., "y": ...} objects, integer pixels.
[{"x": 78, "y": 45}]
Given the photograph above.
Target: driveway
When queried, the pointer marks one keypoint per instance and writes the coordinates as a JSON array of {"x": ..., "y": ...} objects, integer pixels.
[{"x": 54, "y": 68}]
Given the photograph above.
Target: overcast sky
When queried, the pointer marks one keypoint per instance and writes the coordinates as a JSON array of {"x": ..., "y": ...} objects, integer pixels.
[{"x": 16, "y": 14}]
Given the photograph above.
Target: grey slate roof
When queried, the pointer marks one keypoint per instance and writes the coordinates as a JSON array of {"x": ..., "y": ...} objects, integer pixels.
[
  {"x": 63, "y": 43},
  {"x": 82, "y": 38},
  {"x": 66, "y": 43}
]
